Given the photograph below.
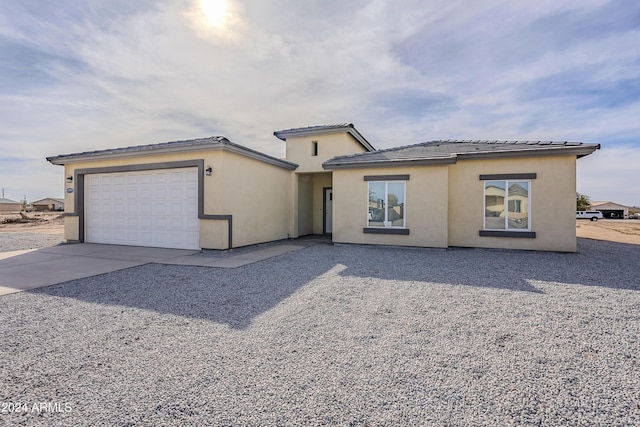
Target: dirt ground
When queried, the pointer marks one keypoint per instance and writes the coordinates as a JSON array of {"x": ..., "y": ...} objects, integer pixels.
[
  {"x": 37, "y": 222},
  {"x": 620, "y": 230},
  {"x": 613, "y": 230}
]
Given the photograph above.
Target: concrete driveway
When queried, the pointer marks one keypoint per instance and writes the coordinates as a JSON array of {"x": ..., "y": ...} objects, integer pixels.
[
  {"x": 24, "y": 270},
  {"x": 35, "y": 268}
]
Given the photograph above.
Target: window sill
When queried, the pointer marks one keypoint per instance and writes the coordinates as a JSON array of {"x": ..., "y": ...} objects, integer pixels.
[
  {"x": 501, "y": 233},
  {"x": 382, "y": 230}
]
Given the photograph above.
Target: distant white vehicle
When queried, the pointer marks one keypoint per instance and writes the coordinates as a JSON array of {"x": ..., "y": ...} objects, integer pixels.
[{"x": 592, "y": 215}]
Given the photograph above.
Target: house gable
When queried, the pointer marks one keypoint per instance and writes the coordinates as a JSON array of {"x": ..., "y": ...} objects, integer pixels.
[{"x": 310, "y": 147}]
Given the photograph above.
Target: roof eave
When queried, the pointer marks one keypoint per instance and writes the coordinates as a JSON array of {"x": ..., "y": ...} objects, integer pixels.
[
  {"x": 390, "y": 163},
  {"x": 133, "y": 152},
  {"x": 310, "y": 131},
  {"x": 578, "y": 151},
  {"x": 223, "y": 144},
  {"x": 256, "y": 155}
]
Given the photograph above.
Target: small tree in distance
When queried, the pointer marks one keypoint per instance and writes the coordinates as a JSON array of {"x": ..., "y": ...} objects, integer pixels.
[{"x": 582, "y": 202}]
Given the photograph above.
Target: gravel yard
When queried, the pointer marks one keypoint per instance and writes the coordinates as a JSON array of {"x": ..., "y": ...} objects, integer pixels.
[
  {"x": 10, "y": 242},
  {"x": 44, "y": 230},
  {"x": 334, "y": 335}
]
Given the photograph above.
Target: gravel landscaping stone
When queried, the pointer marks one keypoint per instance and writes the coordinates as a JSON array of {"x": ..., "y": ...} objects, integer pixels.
[
  {"x": 10, "y": 242},
  {"x": 334, "y": 335}
]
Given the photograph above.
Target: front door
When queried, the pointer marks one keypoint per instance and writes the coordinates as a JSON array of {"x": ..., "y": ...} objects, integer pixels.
[{"x": 327, "y": 216}]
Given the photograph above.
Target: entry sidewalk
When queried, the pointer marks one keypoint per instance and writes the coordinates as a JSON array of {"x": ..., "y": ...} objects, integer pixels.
[{"x": 30, "y": 269}]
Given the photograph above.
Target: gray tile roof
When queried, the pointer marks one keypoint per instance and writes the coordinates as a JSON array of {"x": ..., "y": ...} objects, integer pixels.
[
  {"x": 8, "y": 201},
  {"x": 214, "y": 142},
  {"x": 324, "y": 129},
  {"x": 448, "y": 151}
]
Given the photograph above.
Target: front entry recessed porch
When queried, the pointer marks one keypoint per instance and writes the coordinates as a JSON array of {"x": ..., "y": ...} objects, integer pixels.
[{"x": 314, "y": 203}]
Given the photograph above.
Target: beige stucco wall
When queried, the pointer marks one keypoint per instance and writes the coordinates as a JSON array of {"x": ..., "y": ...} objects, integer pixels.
[
  {"x": 426, "y": 206},
  {"x": 255, "y": 193},
  {"x": 552, "y": 202},
  {"x": 71, "y": 228},
  {"x": 305, "y": 204},
  {"x": 299, "y": 150}
]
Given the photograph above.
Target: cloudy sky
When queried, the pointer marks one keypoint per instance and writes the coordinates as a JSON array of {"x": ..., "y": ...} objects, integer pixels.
[{"x": 94, "y": 74}]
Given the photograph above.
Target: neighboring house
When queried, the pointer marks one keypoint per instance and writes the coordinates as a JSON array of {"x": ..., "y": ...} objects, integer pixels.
[
  {"x": 213, "y": 194},
  {"x": 48, "y": 204},
  {"x": 8, "y": 205},
  {"x": 610, "y": 209}
]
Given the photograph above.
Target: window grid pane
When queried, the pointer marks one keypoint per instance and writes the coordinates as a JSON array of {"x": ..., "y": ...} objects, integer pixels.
[
  {"x": 518, "y": 217},
  {"x": 506, "y": 205},
  {"x": 395, "y": 203},
  {"x": 377, "y": 203},
  {"x": 494, "y": 201}
]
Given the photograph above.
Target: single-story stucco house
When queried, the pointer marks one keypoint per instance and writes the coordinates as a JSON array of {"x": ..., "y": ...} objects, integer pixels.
[
  {"x": 214, "y": 194},
  {"x": 610, "y": 209},
  {"x": 8, "y": 205},
  {"x": 48, "y": 204}
]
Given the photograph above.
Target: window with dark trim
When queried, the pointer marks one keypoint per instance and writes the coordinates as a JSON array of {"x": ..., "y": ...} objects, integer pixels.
[
  {"x": 386, "y": 204},
  {"x": 507, "y": 205},
  {"x": 314, "y": 148}
]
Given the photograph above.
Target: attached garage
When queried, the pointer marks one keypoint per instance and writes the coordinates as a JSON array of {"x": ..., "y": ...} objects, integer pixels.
[
  {"x": 195, "y": 194},
  {"x": 157, "y": 208}
]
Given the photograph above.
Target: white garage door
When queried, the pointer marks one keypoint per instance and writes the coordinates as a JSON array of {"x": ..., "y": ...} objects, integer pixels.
[{"x": 156, "y": 208}]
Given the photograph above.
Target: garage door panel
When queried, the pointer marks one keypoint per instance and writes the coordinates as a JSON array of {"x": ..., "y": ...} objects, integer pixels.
[
  {"x": 160, "y": 208},
  {"x": 161, "y": 178},
  {"x": 119, "y": 208},
  {"x": 146, "y": 237},
  {"x": 148, "y": 208},
  {"x": 193, "y": 225},
  {"x": 119, "y": 236},
  {"x": 146, "y": 194},
  {"x": 162, "y": 224},
  {"x": 162, "y": 237}
]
